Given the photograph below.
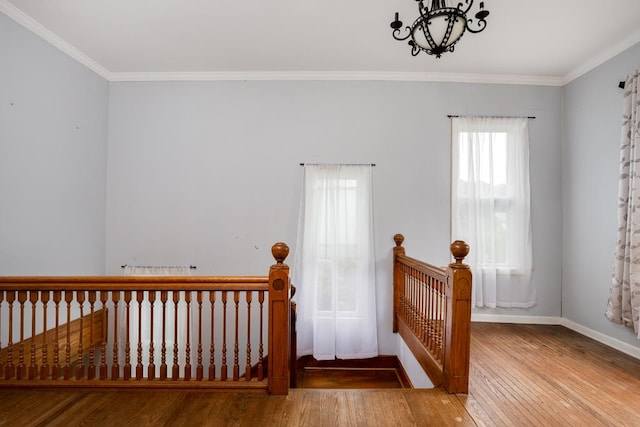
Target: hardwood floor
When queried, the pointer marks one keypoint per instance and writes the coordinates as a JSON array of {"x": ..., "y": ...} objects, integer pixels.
[
  {"x": 521, "y": 375},
  {"x": 540, "y": 375}
]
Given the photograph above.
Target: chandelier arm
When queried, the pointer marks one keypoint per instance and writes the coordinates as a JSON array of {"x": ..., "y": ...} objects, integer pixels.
[
  {"x": 467, "y": 3},
  {"x": 482, "y": 24},
  {"x": 396, "y": 34}
]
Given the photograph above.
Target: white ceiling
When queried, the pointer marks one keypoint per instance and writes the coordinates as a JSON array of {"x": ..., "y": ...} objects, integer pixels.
[{"x": 537, "y": 42}]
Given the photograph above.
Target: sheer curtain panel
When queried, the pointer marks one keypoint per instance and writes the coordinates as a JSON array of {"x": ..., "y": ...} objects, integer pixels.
[
  {"x": 334, "y": 269},
  {"x": 145, "y": 326},
  {"x": 491, "y": 207},
  {"x": 624, "y": 300}
]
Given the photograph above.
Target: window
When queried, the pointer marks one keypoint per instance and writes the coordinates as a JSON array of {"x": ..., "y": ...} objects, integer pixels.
[
  {"x": 334, "y": 268},
  {"x": 491, "y": 207}
]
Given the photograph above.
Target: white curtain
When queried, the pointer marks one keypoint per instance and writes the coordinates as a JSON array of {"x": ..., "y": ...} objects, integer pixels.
[
  {"x": 334, "y": 269},
  {"x": 491, "y": 207},
  {"x": 624, "y": 300},
  {"x": 157, "y": 320}
]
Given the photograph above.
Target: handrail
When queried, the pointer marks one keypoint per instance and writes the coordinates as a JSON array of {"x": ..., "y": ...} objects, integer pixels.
[
  {"x": 432, "y": 313},
  {"x": 134, "y": 283},
  {"x": 111, "y": 356}
]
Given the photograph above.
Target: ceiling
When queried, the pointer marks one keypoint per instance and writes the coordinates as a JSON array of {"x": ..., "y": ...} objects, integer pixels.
[{"x": 536, "y": 42}]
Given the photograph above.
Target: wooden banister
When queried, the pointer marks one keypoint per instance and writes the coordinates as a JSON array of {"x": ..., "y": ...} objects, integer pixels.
[
  {"x": 432, "y": 313},
  {"x": 97, "y": 338}
]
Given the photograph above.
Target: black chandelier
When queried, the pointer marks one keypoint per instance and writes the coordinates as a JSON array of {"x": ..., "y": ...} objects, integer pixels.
[{"x": 437, "y": 30}]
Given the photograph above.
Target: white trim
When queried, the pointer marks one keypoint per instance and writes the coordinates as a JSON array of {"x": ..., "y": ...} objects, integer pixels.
[
  {"x": 40, "y": 30},
  {"x": 525, "y": 320},
  {"x": 602, "y": 57},
  {"x": 614, "y": 343},
  {"x": 338, "y": 75}
]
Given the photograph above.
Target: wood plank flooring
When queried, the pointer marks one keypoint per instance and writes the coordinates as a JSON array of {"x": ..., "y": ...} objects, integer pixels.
[
  {"x": 540, "y": 375},
  {"x": 521, "y": 375},
  {"x": 302, "y": 407}
]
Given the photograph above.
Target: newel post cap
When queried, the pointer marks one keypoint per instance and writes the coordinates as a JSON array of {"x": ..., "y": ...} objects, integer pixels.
[
  {"x": 398, "y": 238},
  {"x": 280, "y": 251},
  {"x": 459, "y": 250}
]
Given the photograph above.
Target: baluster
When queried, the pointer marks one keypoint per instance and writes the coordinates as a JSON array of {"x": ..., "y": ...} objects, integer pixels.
[
  {"x": 424, "y": 321},
  {"x": 151, "y": 370},
  {"x": 428, "y": 312},
  {"x": 115, "y": 365},
  {"x": 1, "y": 361},
  {"x": 248, "y": 297},
  {"x": 91, "y": 370},
  {"x": 175, "y": 369},
  {"x": 212, "y": 345},
  {"x": 199, "y": 368},
  {"x": 433, "y": 314},
  {"x": 413, "y": 302},
  {"x": 139, "y": 367},
  {"x": 127, "y": 345},
  {"x": 407, "y": 296},
  {"x": 80, "y": 295},
  {"x": 10, "y": 368},
  {"x": 163, "y": 347},
  {"x": 104, "y": 295},
  {"x": 425, "y": 279},
  {"x": 33, "y": 367},
  {"x": 55, "y": 373},
  {"x": 441, "y": 310},
  {"x": 236, "y": 365},
  {"x": 261, "y": 346},
  {"x": 44, "y": 368},
  {"x": 187, "y": 349},
  {"x": 223, "y": 368},
  {"x": 22, "y": 298},
  {"x": 68, "y": 369},
  {"x": 438, "y": 316}
]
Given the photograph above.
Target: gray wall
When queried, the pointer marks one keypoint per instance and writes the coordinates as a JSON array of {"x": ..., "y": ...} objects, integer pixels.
[
  {"x": 592, "y": 120},
  {"x": 208, "y": 173},
  {"x": 53, "y": 136}
]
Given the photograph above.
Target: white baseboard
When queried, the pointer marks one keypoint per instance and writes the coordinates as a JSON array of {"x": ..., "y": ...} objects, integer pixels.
[
  {"x": 505, "y": 318},
  {"x": 622, "y": 346}
]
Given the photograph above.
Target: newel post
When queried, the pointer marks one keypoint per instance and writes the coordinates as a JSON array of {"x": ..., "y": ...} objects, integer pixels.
[
  {"x": 278, "y": 360},
  {"x": 457, "y": 339},
  {"x": 398, "y": 279}
]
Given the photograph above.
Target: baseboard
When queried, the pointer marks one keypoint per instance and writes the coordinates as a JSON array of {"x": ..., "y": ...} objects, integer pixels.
[
  {"x": 622, "y": 346},
  {"x": 550, "y": 320},
  {"x": 526, "y": 320}
]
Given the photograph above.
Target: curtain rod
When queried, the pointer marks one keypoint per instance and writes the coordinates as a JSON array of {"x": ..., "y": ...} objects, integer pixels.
[
  {"x": 192, "y": 267},
  {"x": 451, "y": 116},
  {"x": 340, "y": 164}
]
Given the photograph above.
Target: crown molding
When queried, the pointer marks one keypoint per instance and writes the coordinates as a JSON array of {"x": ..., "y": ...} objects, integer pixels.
[
  {"x": 40, "y": 30},
  {"x": 337, "y": 75},
  {"x": 601, "y": 58},
  {"x": 34, "y": 26}
]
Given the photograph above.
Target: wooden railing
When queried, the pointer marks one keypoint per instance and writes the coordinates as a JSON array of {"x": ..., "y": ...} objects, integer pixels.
[
  {"x": 432, "y": 313},
  {"x": 147, "y": 332}
]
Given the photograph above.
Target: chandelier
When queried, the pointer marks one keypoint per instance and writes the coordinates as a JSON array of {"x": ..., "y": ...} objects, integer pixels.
[{"x": 437, "y": 30}]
